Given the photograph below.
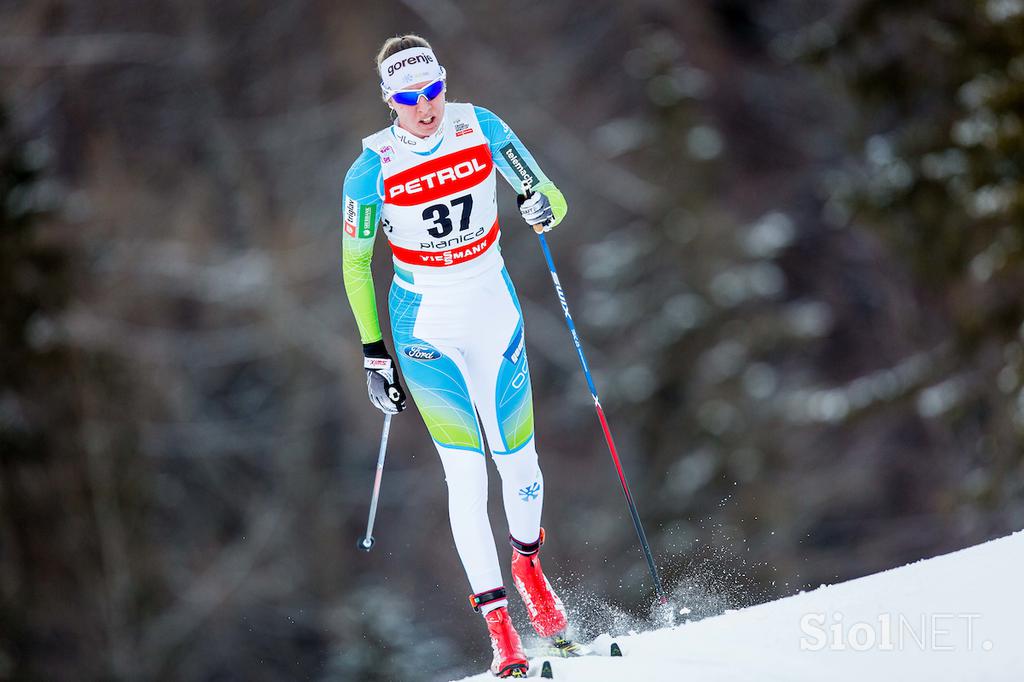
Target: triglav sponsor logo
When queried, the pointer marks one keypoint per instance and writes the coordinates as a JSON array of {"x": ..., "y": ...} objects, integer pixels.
[
  {"x": 418, "y": 59},
  {"x": 421, "y": 353},
  {"x": 351, "y": 208}
]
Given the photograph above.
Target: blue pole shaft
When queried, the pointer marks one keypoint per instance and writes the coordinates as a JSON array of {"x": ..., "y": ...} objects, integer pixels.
[{"x": 604, "y": 422}]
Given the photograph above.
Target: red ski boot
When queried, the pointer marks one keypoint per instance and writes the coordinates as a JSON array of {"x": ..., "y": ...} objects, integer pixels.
[
  {"x": 547, "y": 615},
  {"x": 509, "y": 659}
]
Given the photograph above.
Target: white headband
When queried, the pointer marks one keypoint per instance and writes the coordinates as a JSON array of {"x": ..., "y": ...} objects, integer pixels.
[{"x": 402, "y": 69}]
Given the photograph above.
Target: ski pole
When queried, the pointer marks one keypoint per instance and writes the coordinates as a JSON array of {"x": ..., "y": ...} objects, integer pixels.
[
  {"x": 539, "y": 229},
  {"x": 366, "y": 542}
]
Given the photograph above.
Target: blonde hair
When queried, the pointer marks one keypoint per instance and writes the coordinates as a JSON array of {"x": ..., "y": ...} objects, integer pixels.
[{"x": 399, "y": 43}]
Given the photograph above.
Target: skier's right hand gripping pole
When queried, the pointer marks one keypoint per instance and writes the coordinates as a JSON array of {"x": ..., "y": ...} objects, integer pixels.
[
  {"x": 387, "y": 395},
  {"x": 536, "y": 219},
  {"x": 382, "y": 382}
]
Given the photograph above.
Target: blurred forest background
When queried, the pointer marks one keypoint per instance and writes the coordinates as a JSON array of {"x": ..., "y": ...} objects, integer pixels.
[{"x": 794, "y": 253}]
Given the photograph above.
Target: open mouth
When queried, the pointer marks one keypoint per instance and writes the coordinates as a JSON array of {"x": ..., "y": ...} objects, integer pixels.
[{"x": 427, "y": 120}]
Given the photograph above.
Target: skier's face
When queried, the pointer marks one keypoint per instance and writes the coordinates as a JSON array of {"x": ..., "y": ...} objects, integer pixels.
[{"x": 424, "y": 117}]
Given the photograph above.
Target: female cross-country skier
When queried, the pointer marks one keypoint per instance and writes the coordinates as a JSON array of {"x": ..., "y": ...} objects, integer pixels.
[{"x": 428, "y": 181}]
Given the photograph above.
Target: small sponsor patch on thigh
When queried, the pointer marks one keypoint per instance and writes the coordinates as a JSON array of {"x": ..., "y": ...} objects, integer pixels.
[
  {"x": 515, "y": 347},
  {"x": 421, "y": 352}
]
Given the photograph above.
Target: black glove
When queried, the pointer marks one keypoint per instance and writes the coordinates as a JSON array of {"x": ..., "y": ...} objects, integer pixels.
[{"x": 382, "y": 381}]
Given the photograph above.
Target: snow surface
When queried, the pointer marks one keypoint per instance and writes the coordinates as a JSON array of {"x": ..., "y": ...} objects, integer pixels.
[{"x": 954, "y": 617}]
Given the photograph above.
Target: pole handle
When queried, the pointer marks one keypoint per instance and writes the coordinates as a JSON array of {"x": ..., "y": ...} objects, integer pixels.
[{"x": 528, "y": 192}]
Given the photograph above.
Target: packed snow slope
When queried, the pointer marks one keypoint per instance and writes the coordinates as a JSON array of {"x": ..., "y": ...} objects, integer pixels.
[{"x": 957, "y": 617}]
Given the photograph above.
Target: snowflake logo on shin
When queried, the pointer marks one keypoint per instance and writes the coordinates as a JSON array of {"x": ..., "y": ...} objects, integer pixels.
[{"x": 530, "y": 492}]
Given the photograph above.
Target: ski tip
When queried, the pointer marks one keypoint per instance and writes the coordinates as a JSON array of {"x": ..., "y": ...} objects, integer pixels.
[
  {"x": 545, "y": 671},
  {"x": 616, "y": 651}
]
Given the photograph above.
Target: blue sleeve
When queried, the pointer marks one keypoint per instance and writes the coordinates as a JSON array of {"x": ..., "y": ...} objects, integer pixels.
[
  {"x": 501, "y": 138},
  {"x": 364, "y": 183},
  {"x": 360, "y": 213}
]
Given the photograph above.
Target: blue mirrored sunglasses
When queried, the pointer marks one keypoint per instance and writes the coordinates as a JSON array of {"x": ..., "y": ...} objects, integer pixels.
[{"x": 411, "y": 97}]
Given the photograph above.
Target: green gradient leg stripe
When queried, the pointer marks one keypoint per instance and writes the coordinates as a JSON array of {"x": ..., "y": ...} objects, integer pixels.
[{"x": 433, "y": 379}]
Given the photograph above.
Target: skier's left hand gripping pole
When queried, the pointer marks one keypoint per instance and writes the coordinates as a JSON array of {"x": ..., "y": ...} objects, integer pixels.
[{"x": 366, "y": 542}]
